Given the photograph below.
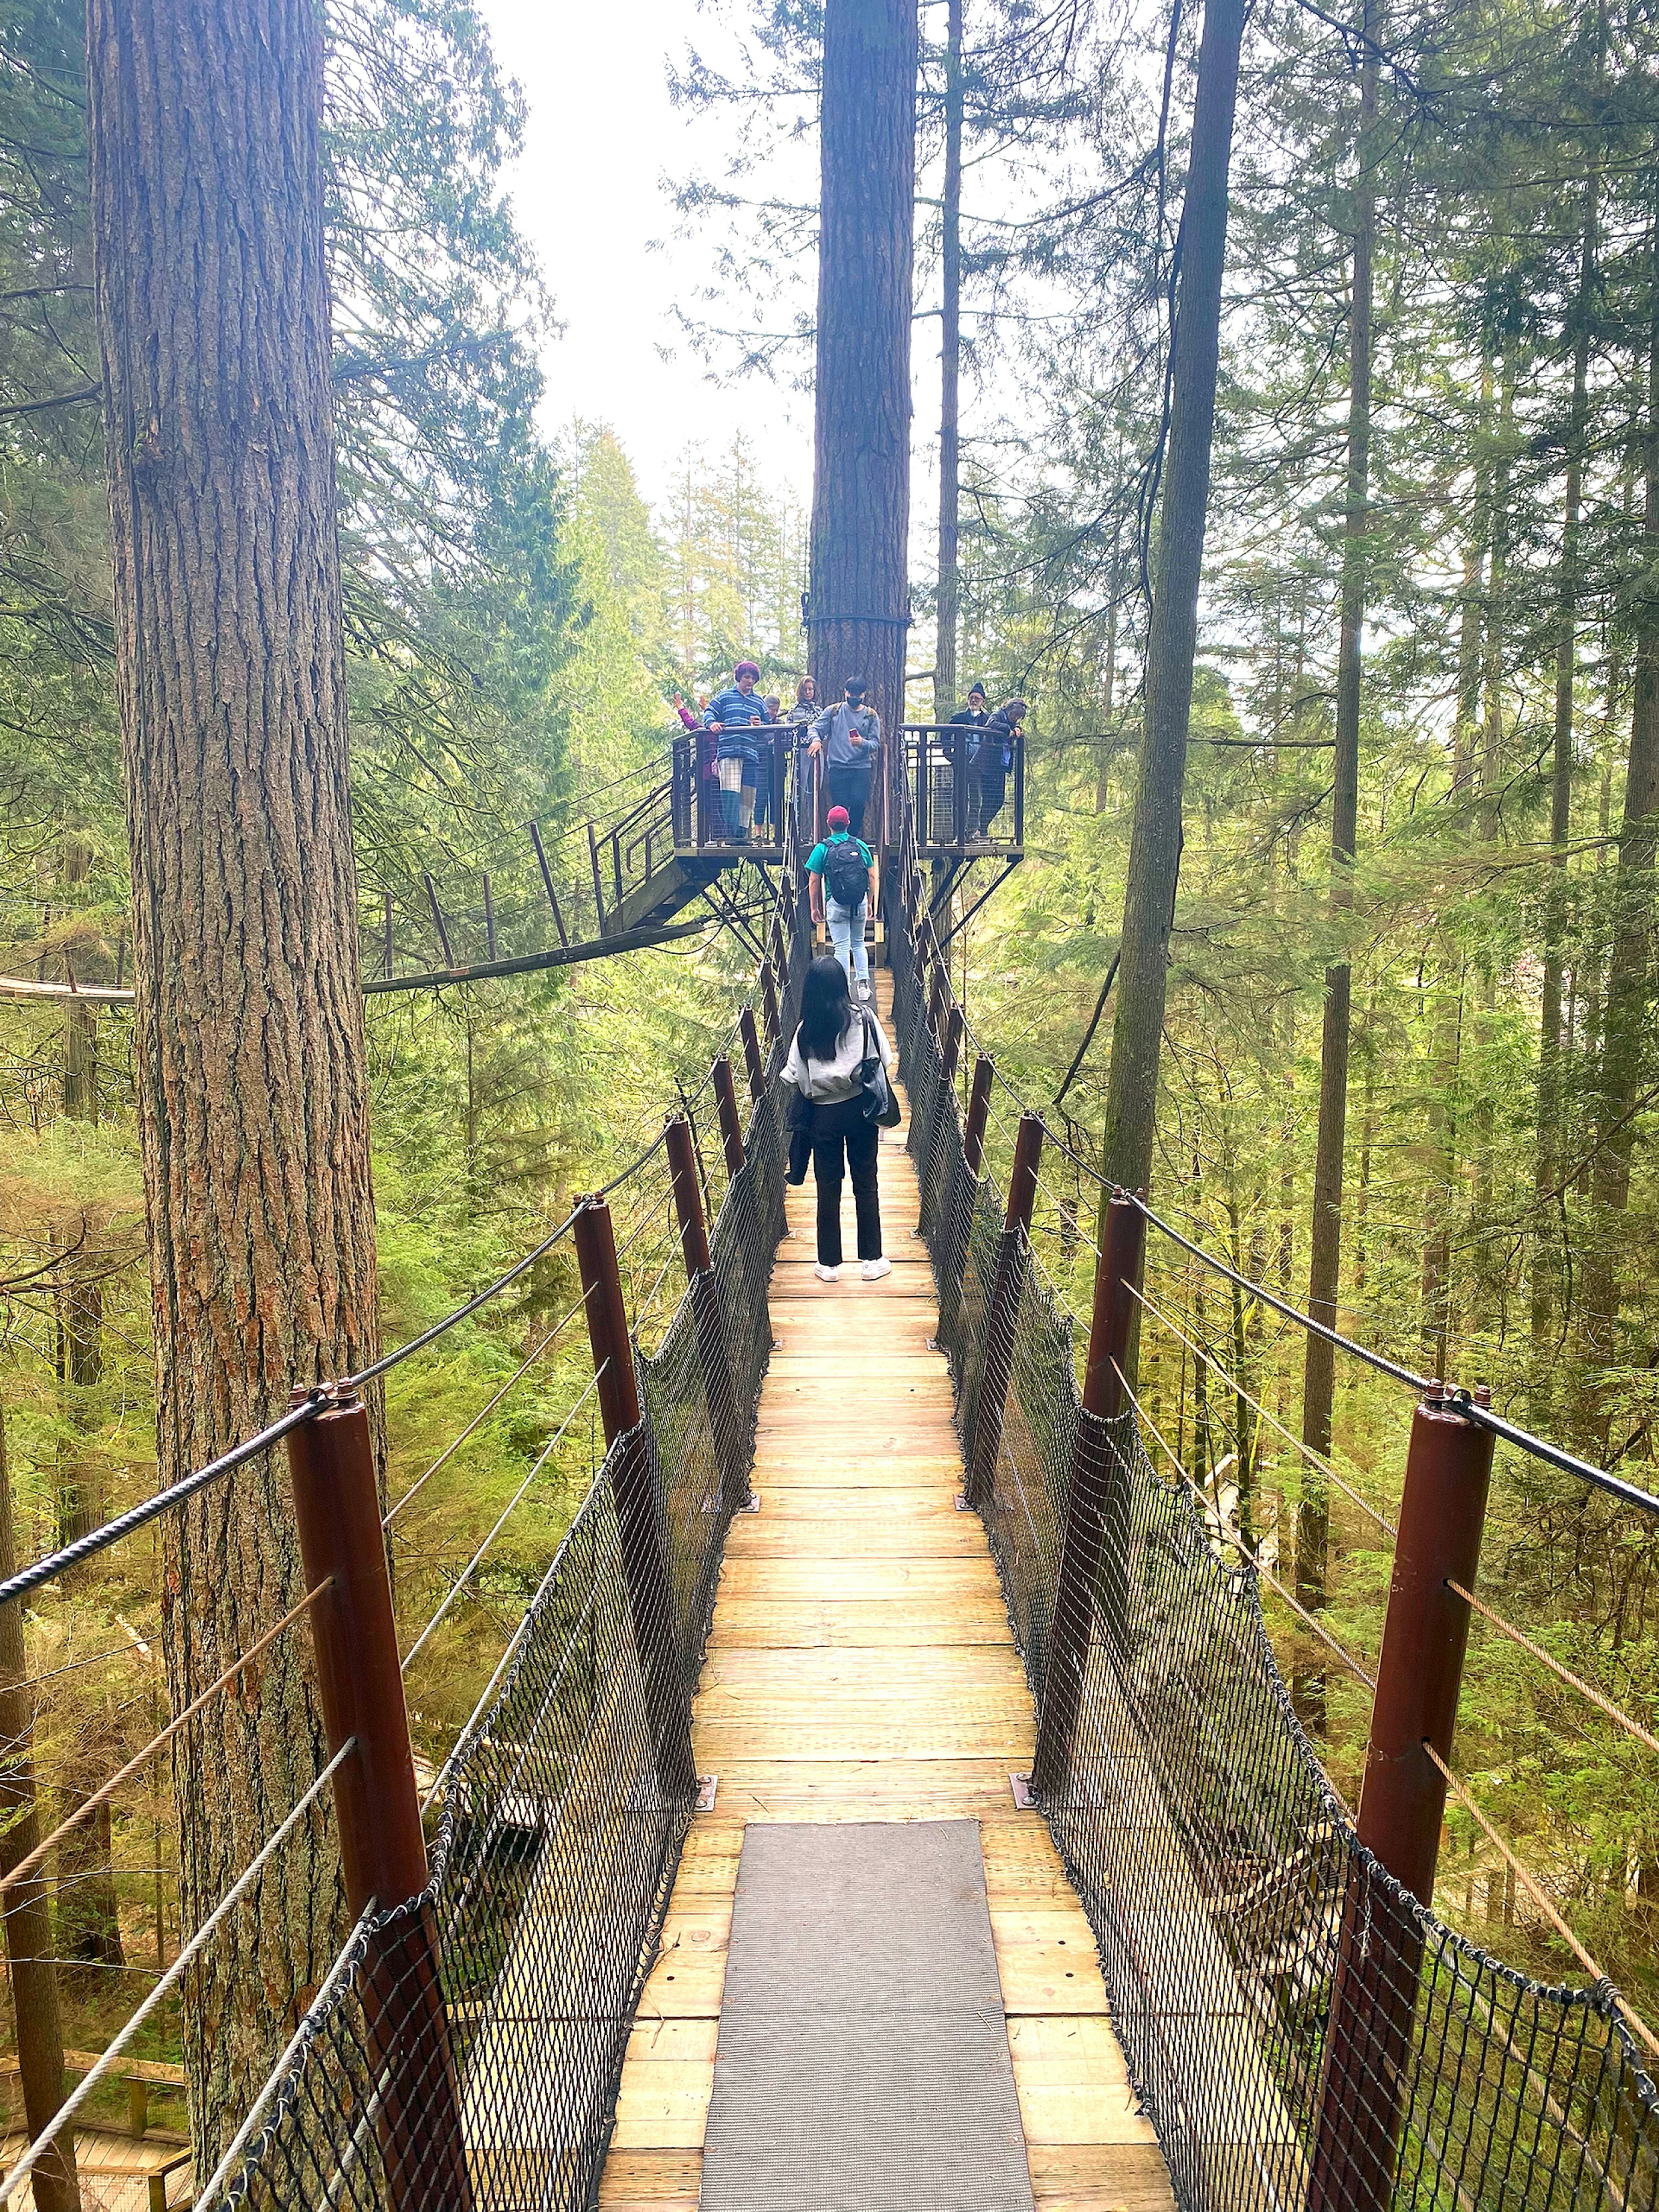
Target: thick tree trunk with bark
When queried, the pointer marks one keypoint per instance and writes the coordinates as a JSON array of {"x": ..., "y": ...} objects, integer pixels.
[
  {"x": 858, "y": 597},
  {"x": 1325, "y": 1239},
  {"x": 1172, "y": 641},
  {"x": 1630, "y": 979},
  {"x": 249, "y": 1052},
  {"x": 949, "y": 443},
  {"x": 1547, "y": 1263},
  {"x": 37, "y": 2019}
]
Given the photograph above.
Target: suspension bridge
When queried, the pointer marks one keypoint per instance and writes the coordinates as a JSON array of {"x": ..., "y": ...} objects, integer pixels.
[{"x": 890, "y": 1796}]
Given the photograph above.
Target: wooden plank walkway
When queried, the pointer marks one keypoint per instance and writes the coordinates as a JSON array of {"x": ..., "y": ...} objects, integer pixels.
[{"x": 861, "y": 1668}]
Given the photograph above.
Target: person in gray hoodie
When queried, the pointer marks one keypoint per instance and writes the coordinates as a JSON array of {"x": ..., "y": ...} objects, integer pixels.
[{"x": 849, "y": 737}]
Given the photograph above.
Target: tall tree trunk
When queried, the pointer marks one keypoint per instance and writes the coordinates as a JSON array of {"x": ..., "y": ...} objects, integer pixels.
[
  {"x": 1436, "y": 1312},
  {"x": 857, "y": 597},
  {"x": 1630, "y": 977},
  {"x": 37, "y": 2019},
  {"x": 1172, "y": 639},
  {"x": 1108, "y": 676},
  {"x": 1325, "y": 1239},
  {"x": 950, "y": 448},
  {"x": 249, "y": 1057},
  {"x": 1546, "y": 1158}
]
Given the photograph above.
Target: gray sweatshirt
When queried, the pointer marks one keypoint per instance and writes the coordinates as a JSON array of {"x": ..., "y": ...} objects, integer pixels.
[{"x": 837, "y": 726}]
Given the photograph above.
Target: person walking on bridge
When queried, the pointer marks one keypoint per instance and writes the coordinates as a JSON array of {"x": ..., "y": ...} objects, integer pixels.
[
  {"x": 841, "y": 877},
  {"x": 834, "y": 1113},
  {"x": 737, "y": 716},
  {"x": 849, "y": 736}
]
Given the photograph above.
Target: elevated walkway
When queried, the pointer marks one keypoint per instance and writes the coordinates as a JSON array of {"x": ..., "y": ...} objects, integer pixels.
[{"x": 856, "y": 1555}]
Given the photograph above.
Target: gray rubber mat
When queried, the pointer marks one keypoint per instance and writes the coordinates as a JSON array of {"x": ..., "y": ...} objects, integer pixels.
[{"x": 863, "y": 2061}]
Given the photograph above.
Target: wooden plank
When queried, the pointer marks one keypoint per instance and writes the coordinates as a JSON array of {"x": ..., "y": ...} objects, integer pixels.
[
  {"x": 938, "y": 1536},
  {"x": 861, "y": 1667}
]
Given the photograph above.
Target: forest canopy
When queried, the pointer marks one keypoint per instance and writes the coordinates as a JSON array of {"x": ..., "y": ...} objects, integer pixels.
[{"x": 1412, "y": 965}]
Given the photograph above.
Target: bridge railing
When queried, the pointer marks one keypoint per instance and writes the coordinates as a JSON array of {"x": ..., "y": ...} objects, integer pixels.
[
  {"x": 465, "y": 2045},
  {"x": 949, "y": 797},
  {"x": 1303, "y": 2032}
]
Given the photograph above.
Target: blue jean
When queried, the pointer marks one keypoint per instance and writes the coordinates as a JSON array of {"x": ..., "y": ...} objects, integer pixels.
[{"x": 846, "y": 935}]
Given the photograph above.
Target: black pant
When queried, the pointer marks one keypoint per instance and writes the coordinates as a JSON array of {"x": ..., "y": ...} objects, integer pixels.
[
  {"x": 833, "y": 1128},
  {"x": 850, "y": 787},
  {"x": 993, "y": 792}
]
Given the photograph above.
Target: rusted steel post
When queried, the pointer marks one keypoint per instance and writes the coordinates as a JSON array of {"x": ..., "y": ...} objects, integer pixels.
[
  {"x": 978, "y": 1108},
  {"x": 1002, "y": 1315},
  {"x": 709, "y": 1315},
  {"x": 726, "y": 1098},
  {"x": 752, "y": 1053},
  {"x": 936, "y": 1001},
  {"x": 943, "y": 1101},
  {"x": 769, "y": 995},
  {"x": 645, "y": 1564},
  {"x": 360, "y": 1688},
  {"x": 1403, "y": 1801},
  {"x": 959, "y": 1199},
  {"x": 1095, "y": 1503}
]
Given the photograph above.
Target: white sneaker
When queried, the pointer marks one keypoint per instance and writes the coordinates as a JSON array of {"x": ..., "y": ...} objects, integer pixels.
[
  {"x": 875, "y": 1269},
  {"x": 826, "y": 1274}
]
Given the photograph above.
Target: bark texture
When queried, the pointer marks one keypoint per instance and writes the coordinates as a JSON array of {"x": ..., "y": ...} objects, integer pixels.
[
  {"x": 249, "y": 1058},
  {"x": 1172, "y": 641},
  {"x": 949, "y": 439},
  {"x": 1626, "y": 1011},
  {"x": 1325, "y": 1239},
  {"x": 857, "y": 596},
  {"x": 36, "y": 2016},
  {"x": 1546, "y": 1267}
]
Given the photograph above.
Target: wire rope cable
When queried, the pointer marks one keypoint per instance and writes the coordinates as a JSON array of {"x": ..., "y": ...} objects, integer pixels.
[
  {"x": 546, "y": 1452},
  {"x": 124, "y": 2035}
]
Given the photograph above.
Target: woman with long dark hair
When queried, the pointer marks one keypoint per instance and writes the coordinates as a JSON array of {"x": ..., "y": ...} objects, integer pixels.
[{"x": 826, "y": 1066}]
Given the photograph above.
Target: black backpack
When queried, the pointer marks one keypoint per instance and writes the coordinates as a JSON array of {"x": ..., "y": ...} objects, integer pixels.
[{"x": 846, "y": 871}]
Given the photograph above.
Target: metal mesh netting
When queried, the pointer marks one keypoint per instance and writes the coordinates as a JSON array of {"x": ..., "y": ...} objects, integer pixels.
[
  {"x": 466, "y": 2048},
  {"x": 1303, "y": 2034}
]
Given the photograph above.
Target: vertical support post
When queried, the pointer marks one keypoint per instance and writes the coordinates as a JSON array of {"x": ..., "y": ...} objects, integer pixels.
[
  {"x": 489, "y": 916},
  {"x": 726, "y": 1098},
  {"x": 943, "y": 1103},
  {"x": 952, "y": 1053},
  {"x": 921, "y": 789},
  {"x": 547, "y": 884},
  {"x": 709, "y": 1315},
  {"x": 1004, "y": 1314},
  {"x": 1098, "y": 1495},
  {"x": 752, "y": 1053},
  {"x": 1019, "y": 787},
  {"x": 769, "y": 997},
  {"x": 959, "y": 790},
  {"x": 645, "y": 1564},
  {"x": 337, "y": 1510},
  {"x": 936, "y": 1001},
  {"x": 1402, "y": 1803},
  {"x": 978, "y": 1108},
  {"x": 598, "y": 885}
]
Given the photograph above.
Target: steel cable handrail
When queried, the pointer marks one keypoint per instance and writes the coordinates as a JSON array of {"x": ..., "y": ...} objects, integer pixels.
[
  {"x": 1535, "y": 1891},
  {"x": 1226, "y": 1535},
  {"x": 87, "y": 1805},
  {"x": 462, "y": 1579},
  {"x": 198, "y": 1943},
  {"x": 1317, "y": 1459}
]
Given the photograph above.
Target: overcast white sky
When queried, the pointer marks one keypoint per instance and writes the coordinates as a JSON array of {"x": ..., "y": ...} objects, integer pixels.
[{"x": 588, "y": 196}]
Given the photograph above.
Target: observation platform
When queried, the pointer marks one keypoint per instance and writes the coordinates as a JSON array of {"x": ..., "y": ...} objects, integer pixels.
[{"x": 861, "y": 1668}]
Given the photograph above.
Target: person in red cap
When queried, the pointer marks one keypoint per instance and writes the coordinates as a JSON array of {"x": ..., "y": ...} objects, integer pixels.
[{"x": 841, "y": 876}]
